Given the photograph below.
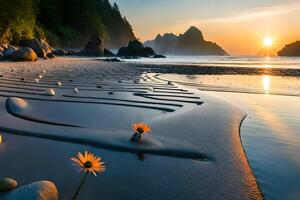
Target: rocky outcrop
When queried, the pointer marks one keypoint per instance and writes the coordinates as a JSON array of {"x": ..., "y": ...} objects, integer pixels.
[
  {"x": 24, "y": 54},
  {"x": 40, "y": 47},
  {"x": 292, "y": 49},
  {"x": 43, "y": 190},
  {"x": 191, "y": 42},
  {"x": 136, "y": 48},
  {"x": 8, "y": 184},
  {"x": 94, "y": 47}
]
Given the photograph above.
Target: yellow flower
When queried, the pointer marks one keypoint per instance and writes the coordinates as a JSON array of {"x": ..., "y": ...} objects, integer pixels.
[
  {"x": 141, "y": 128},
  {"x": 89, "y": 162}
]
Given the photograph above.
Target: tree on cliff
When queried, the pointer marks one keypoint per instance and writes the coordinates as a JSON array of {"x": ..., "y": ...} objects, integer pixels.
[{"x": 63, "y": 22}]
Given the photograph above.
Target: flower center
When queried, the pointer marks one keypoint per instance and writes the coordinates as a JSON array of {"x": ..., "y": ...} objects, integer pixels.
[
  {"x": 140, "y": 130},
  {"x": 88, "y": 164}
]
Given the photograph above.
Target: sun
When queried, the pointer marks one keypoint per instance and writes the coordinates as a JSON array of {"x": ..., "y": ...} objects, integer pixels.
[{"x": 268, "y": 42}]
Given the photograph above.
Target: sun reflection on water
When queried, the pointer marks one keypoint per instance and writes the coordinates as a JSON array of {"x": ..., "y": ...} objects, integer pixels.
[{"x": 266, "y": 83}]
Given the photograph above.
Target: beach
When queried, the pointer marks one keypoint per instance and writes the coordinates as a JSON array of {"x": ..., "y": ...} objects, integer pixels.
[{"x": 193, "y": 152}]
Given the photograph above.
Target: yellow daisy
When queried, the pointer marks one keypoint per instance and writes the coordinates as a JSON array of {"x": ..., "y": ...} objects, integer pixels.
[
  {"x": 89, "y": 163},
  {"x": 141, "y": 128}
]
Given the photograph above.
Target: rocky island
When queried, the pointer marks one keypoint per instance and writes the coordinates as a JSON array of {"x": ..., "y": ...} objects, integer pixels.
[
  {"x": 191, "y": 42},
  {"x": 292, "y": 49}
]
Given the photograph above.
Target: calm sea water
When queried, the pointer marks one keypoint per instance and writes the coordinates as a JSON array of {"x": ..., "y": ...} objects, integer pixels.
[
  {"x": 227, "y": 61},
  {"x": 271, "y": 132}
]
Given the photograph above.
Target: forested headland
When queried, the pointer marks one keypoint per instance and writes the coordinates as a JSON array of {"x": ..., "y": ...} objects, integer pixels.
[{"x": 64, "y": 23}]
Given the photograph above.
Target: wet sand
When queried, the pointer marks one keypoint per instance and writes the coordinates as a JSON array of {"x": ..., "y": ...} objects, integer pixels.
[{"x": 193, "y": 152}]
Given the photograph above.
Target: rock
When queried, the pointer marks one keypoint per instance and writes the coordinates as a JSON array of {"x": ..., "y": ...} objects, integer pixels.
[
  {"x": 36, "y": 80},
  {"x": 112, "y": 60},
  {"x": 24, "y": 54},
  {"x": 94, "y": 47},
  {"x": 191, "y": 42},
  {"x": 43, "y": 190},
  {"x": 8, "y": 184},
  {"x": 76, "y": 90},
  {"x": 40, "y": 47},
  {"x": 1, "y": 56},
  {"x": 51, "y": 55},
  {"x": 136, "y": 48},
  {"x": 9, "y": 52},
  {"x": 130, "y": 57},
  {"x": 108, "y": 53},
  {"x": 148, "y": 51},
  {"x": 1, "y": 139},
  {"x": 159, "y": 56},
  {"x": 58, "y": 83},
  {"x": 292, "y": 49},
  {"x": 51, "y": 92}
]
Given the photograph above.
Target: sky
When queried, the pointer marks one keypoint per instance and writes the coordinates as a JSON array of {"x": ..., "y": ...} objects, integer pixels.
[{"x": 239, "y": 26}]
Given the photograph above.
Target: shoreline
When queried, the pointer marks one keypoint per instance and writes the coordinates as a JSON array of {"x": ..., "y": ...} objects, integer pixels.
[
  {"x": 225, "y": 173},
  {"x": 216, "y": 70}
]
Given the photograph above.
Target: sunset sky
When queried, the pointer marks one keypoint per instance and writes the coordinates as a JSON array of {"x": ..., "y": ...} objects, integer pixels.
[{"x": 240, "y": 27}]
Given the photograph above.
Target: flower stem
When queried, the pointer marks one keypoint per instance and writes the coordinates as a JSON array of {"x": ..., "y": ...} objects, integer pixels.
[{"x": 81, "y": 183}]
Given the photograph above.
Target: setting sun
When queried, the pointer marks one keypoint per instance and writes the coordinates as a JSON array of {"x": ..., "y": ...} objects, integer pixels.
[{"x": 268, "y": 42}]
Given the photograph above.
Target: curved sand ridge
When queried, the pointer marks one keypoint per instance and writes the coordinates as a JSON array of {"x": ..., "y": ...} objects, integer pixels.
[
  {"x": 186, "y": 124},
  {"x": 27, "y": 110},
  {"x": 27, "y": 101}
]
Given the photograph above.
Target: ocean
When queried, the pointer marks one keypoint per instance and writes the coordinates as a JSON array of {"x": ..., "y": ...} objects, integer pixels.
[{"x": 271, "y": 132}]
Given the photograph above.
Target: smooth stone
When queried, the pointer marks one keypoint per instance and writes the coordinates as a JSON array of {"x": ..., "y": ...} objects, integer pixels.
[
  {"x": 51, "y": 92},
  {"x": 42, "y": 190},
  {"x": 40, "y": 76},
  {"x": 76, "y": 90},
  {"x": 8, "y": 184},
  {"x": 24, "y": 54},
  {"x": 17, "y": 104},
  {"x": 58, "y": 83}
]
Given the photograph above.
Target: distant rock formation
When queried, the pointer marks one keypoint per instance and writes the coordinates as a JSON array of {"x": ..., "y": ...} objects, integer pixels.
[
  {"x": 136, "y": 48},
  {"x": 190, "y": 43},
  {"x": 292, "y": 49},
  {"x": 94, "y": 47}
]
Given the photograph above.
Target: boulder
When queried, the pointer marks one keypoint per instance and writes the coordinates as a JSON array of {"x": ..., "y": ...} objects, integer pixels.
[
  {"x": 43, "y": 190},
  {"x": 9, "y": 52},
  {"x": 136, "y": 48},
  {"x": 94, "y": 47},
  {"x": 24, "y": 54},
  {"x": 40, "y": 47},
  {"x": 51, "y": 55},
  {"x": 8, "y": 184}
]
